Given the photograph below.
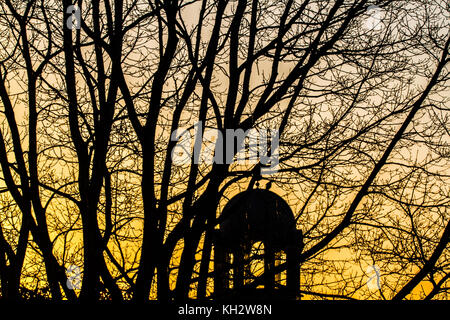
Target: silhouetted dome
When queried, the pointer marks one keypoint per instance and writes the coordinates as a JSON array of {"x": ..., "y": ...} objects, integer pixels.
[
  {"x": 253, "y": 216},
  {"x": 258, "y": 215}
]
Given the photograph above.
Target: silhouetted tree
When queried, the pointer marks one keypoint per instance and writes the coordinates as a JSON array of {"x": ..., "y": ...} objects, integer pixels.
[{"x": 357, "y": 90}]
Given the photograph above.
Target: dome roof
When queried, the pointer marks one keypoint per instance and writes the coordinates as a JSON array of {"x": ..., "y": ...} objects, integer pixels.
[{"x": 258, "y": 215}]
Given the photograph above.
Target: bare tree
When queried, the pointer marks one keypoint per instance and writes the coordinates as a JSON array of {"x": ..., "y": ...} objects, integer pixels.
[{"x": 27, "y": 53}]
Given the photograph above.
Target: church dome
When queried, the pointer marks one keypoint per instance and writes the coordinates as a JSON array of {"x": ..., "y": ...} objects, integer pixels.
[{"x": 258, "y": 215}]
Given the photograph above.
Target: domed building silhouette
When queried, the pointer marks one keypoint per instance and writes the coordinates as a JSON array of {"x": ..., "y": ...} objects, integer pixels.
[{"x": 257, "y": 217}]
